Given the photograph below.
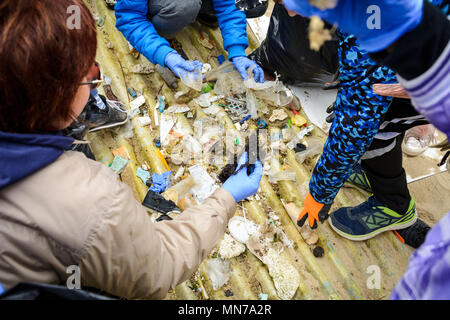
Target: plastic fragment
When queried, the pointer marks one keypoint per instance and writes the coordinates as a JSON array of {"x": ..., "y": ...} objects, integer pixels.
[
  {"x": 205, "y": 185},
  {"x": 261, "y": 123},
  {"x": 219, "y": 272},
  {"x": 157, "y": 202},
  {"x": 299, "y": 137},
  {"x": 178, "y": 109},
  {"x": 101, "y": 21},
  {"x": 193, "y": 79},
  {"x": 263, "y": 296},
  {"x": 122, "y": 152},
  {"x": 160, "y": 181},
  {"x": 278, "y": 114},
  {"x": 132, "y": 93},
  {"x": 230, "y": 248},
  {"x": 161, "y": 103},
  {"x": 142, "y": 174},
  {"x": 241, "y": 229},
  {"x": 119, "y": 164},
  {"x": 136, "y": 103},
  {"x": 144, "y": 121}
]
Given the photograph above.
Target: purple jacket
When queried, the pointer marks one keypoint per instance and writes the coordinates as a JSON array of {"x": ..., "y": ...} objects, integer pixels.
[{"x": 428, "y": 273}]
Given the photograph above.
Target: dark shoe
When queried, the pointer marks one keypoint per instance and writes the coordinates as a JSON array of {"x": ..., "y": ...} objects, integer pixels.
[
  {"x": 370, "y": 219},
  {"x": 97, "y": 119},
  {"x": 359, "y": 179},
  {"x": 414, "y": 235},
  {"x": 253, "y": 8}
]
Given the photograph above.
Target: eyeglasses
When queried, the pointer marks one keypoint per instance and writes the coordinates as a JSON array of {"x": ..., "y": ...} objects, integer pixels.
[{"x": 98, "y": 78}]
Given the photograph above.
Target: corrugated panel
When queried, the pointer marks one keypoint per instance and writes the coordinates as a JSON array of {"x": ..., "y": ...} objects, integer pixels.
[{"x": 342, "y": 273}]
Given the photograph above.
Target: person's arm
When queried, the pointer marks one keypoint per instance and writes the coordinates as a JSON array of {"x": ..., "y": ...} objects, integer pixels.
[
  {"x": 132, "y": 257},
  {"x": 358, "y": 114},
  {"x": 422, "y": 60},
  {"x": 132, "y": 21},
  {"x": 233, "y": 24}
]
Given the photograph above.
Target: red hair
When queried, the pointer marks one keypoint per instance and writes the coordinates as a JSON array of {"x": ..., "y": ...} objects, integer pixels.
[{"x": 42, "y": 61}]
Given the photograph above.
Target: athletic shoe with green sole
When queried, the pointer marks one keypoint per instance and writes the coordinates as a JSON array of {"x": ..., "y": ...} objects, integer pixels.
[
  {"x": 359, "y": 179},
  {"x": 370, "y": 219}
]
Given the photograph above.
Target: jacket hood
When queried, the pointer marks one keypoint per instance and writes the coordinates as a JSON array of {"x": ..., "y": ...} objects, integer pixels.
[{"x": 24, "y": 154}]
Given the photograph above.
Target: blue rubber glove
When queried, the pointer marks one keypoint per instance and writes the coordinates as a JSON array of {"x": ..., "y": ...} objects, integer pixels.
[
  {"x": 244, "y": 63},
  {"x": 160, "y": 181},
  {"x": 179, "y": 66},
  {"x": 241, "y": 185},
  {"x": 397, "y": 17}
]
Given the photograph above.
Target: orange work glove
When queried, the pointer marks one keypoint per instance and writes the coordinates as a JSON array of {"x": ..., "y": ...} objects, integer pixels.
[{"x": 313, "y": 211}]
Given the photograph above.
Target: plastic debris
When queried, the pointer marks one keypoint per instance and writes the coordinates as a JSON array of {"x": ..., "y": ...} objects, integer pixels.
[
  {"x": 179, "y": 173},
  {"x": 297, "y": 119},
  {"x": 278, "y": 114},
  {"x": 136, "y": 103},
  {"x": 193, "y": 79},
  {"x": 204, "y": 100},
  {"x": 119, "y": 164},
  {"x": 205, "y": 185},
  {"x": 122, "y": 152},
  {"x": 206, "y": 68},
  {"x": 276, "y": 175},
  {"x": 161, "y": 103},
  {"x": 160, "y": 181},
  {"x": 221, "y": 59},
  {"x": 261, "y": 123},
  {"x": 207, "y": 87},
  {"x": 219, "y": 272},
  {"x": 166, "y": 125},
  {"x": 263, "y": 296},
  {"x": 178, "y": 109},
  {"x": 299, "y": 137},
  {"x": 313, "y": 148},
  {"x": 101, "y": 21},
  {"x": 241, "y": 229},
  {"x": 144, "y": 121},
  {"x": 157, "y": 202},
  {"x": 230, "y": 248},
  {"x": 132, "y": 93},
  {"x": 144, "y": 175},
  {"x": 168, "y": 76}
]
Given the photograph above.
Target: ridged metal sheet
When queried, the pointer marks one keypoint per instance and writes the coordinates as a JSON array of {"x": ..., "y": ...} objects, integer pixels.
[{"x": 342, "y": 273}]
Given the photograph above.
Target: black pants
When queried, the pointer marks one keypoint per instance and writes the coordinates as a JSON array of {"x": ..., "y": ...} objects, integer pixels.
[{"x": 382, "y": 162}]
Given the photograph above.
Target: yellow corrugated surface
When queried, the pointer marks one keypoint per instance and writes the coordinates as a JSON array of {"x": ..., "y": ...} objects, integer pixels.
[{"x": 342, "y": 273}]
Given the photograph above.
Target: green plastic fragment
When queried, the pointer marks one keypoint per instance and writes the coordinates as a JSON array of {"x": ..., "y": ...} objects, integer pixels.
[
  {"x": 119, "y": 164},
  {"x": 101, "y": 22},
  {"x": 207, "y": 87},
  {"x": 143, "y": 174}
]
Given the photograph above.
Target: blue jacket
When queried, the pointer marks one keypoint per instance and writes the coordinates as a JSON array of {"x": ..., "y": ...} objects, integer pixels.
[
  {"x": 132, "y": 21},
  {"x": 24, "y": 154}
]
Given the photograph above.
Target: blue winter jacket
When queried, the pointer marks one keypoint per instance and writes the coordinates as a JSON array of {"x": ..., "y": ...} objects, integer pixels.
[{"x": 132, "y": 21}]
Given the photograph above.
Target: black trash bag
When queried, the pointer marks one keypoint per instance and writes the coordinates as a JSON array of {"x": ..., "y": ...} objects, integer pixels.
[
  {"x": 38, "y": 291},
  {"x": 287, "y": 52}
]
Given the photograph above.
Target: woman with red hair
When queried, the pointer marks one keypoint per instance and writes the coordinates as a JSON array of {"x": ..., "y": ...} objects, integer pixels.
[{"x": 58, "y": 208}]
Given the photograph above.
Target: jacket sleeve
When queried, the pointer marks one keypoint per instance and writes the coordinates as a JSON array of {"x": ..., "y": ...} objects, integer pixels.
[
  {"x": 132, "y": 21},
  {"x": 134, "y": 258},
  {"x": 233, "y": 24},
  {"x": 359, "y": 113},
  {"x": 422, "y": 60}
]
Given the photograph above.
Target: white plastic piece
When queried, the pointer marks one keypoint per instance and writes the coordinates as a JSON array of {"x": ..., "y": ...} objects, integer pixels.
[
  {"x": 205, "y": 185},
  {"x": 230, "y": 248},
  {"x": 219, "y": 272},
  {"x": 178, "y": 109},
  {"x": 299, "y": 137},
  {"x": 167, "y": 123},
  {"x": 136, "y": 103},
  {"x": 144, "y": 121},
  {"x": 193, "y": 79},
  {"x": 241, "y": 229}
]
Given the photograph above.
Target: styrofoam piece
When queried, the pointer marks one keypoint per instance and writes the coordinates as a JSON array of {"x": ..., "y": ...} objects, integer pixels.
[
  {"x": 136, "y": 103},
  {"x": 241, "y": 229}
]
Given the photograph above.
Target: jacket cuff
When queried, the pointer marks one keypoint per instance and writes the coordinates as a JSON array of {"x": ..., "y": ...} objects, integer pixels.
[
  {"x": 429, "y": 92},
  {"x": 226, "y": 199},
  {"x": 236, "y": 51},
  {"x": 161, "y": 54}
]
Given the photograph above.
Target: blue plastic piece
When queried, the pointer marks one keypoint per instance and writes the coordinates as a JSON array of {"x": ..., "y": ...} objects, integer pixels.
[
  {"x": 261, "y": 124},
  {"x": 221, "y": 59},
  {"x": 132, "y": 93},
  {"x": 162, "y": 104},
  {"x": 245, "y": 119},
  {"x": 160, "y": 181}
]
